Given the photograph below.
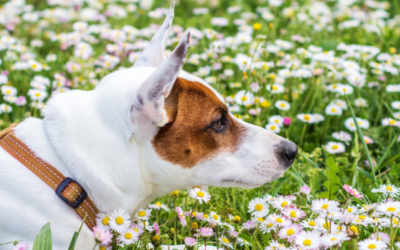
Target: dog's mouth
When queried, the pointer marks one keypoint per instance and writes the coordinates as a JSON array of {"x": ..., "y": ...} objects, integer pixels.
[{"x": 240, "y": 183}]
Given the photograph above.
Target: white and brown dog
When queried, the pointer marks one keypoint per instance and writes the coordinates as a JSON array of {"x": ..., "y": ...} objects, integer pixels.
[{"x": 142, "y": 133}]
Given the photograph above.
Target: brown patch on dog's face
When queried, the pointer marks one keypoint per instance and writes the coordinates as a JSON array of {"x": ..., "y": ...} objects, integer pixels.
[{"x": 199, "y": 125}]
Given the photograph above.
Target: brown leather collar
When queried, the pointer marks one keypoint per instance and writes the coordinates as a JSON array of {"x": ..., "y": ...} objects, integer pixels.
[{"x": 66, "y": 188}]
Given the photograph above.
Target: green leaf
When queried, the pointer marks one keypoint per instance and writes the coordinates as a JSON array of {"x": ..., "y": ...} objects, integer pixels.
[
  {"x": 365, "y": 173},
  {"x": 331, "y": 171},
  {"x": 75, "y": 236},
  {"x": 43, "y": 239},
  {"x": 276, "y": 190}
]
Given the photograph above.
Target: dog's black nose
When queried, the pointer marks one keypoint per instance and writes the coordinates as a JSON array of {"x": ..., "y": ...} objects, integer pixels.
[{"x": 286, "y": 152}]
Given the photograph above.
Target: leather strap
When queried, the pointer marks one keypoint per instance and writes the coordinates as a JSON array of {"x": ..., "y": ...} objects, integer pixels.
[{"x": 72, "y": 194}]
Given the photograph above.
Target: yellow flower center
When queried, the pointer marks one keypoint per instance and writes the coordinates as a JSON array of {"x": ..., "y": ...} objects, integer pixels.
[
  {"x": 194, "y": 213},
  {"x": 333, "y": 239},
  {"x": 259, "y": 207},
  {"x": 334, "y": 147},
  {"x": 142, "y": 213},
  {"x": 34, "y": 66},
  {"x": 37, "y": 94},
  {"x": 307, "y": 242},
  {"x": 205, "y": 216},
  {"x": 273, "y": 127},
  {"x": 274, "y": 87},
  {"x": 325, "y": 206},
  {"x": 293, "y": 214},
  {"x": 395, "y": 221},
  {"x": 389, "y": 188},
  {"x": 158, "y": 204},
  {"x": 257, "y": 26},
  {"x": 260, "y": 219},
  {"x": 333, "y": 110},
  {"x": 371, "y": 246},
  {"x": 349, "y": 210},
  {"x": 136, "y": 230},
  {"x": 325, "y": 225},
  {"x": 106, "y": 221},
  {"x": 244, "y": 98},
  {"x": 307, "y": 117},
  {"x": 270, "y": 224},
  {"x": 225, "y": 240},
  {"x": 391, "y": 209},
  {"x": 354, "y": 229},
  {"x": 8, "y": 91},
  {"x": 290, "y": 232},
  {"x": 312, "y": 223},
  {"x": 215, "y": 217},
  {"x": 119, "y": 220},
  {"x": 128, "y": 236},
  {"x": 284, "y": 203},
  {"x": 392, "y": 122},
  {"x": 361, "y": 217},
  {"x": 102, "y": 248},
  {"x": 200, "y": 194},
  {"x": 279, "y": 220},
  {"x": 283, "y": 105}
]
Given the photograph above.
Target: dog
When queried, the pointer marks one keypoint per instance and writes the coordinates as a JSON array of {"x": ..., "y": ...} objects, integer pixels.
[{"x": 142, "y": 133}]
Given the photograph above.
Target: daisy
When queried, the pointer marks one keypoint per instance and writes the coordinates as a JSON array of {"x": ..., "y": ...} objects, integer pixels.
[
  {"x": 280, "y": 202},
  {"x": 275, "y": 88},
  {"x": 308, "y": 240},
  {"x": 352, "y": 209},
  {"x": 290, "y": 232},
  {"x": 275, "y": 245},
  {"x": 369, "y": 140},
  {"x": 310, "y": 224},
  {"x": 206, "y": 232},
  {"x": 250, "y": 226},
  {"x": 276, "y": 119},
  {"x": 190, "y": 242},
  {"x": 102, "y": 236},
  {"x": 381, "y": 236},
  {"x": 37, "y": 94},
  {"x": 201, "y": 195},
  {"x": 362, "y": 123},
  {"x": 244, "y": 97},
  {"x": 308, "y": 118},
  {"x": 282, "y": 105},
  {"x": 103, "y": 221},
  {"x": 390, "y": 122},
  {"x": 331, "y": 240},
  {"x": 273, "y": 127},
  {"x": 293, "y": 213},
  {"x": 181, "y": 217},
  {"x": 267, "y": 227},
  {"x": 128, "y": 237},
  {"x": 143, "y": 214},
  {"x": 389, "y": 208},
  {"x": 119, "y": 220},
  {"x": 324, "y": 206},
  {"x": 158, "y": 206},
  {"x": 214, "y": 217},
  {"x": 369, "y": 244},
  {"x": 225, "y": 242},
  {"x": 333, "y": 110},
  {"x": 335, "y": 147},
  {"x": 387, "y": 190},
  {"x": 258, "y": 207},
  {"x": 353, "y": 191},
  {"x": 277, "y": 219},
  {"x": 137, "y": 228}
]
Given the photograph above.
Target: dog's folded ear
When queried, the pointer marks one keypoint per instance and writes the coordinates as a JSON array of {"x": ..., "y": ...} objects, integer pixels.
[
  {"x": 154, "y": 53},
  {"x": 148, "y": 105}
]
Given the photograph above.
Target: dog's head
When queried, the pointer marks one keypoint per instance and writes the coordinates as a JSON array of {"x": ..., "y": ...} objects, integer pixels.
[
  {"x": 190, "y": 126},
  {"x": 169, "y": 124}
]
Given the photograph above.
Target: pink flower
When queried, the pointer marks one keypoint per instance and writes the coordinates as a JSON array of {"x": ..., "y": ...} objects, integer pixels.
[
  {"x": 305, "y": 190},
  {"x": 21, "y": 246},
  {"x": 21, "y": 101},
  {"x": 233, "y": 234},
  {"x": 181, "y": 217},
  {"x": 368, "y": 140},
  {"x": 156, "y": 227},
  {"x": 4, "y": 73},
  {"x": 293, "y": 213},
  {"x": 102, "y": 236},
  {"x": 255, "y": 87},
  {"x": 206, "y": 232},
  {"x": 190, "y": 242},
  {"x": 287, "y": 121},
  {"x": 250, "y": 226},
  {"x": 382, "y": 236},
  {"x": 353, "y": 191}
]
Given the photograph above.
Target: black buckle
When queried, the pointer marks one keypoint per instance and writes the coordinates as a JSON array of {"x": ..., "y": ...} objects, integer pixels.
[{"x": 61, "y": 188}]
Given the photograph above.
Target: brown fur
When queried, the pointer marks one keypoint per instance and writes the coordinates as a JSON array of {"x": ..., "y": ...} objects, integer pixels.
[{"x": 188, "y": 137}]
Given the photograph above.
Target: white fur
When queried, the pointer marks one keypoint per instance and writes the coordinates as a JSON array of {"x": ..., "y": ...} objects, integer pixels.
[{"x": 97, "y": 138}]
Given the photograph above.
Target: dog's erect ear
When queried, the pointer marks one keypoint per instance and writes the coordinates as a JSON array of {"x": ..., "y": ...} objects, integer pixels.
[
  {"x": 148, "y": 106},
  {"x": 154, "y": 54}
]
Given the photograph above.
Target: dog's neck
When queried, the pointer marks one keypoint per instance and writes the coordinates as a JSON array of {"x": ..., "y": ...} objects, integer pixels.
[{"x": 116, "y": 170}]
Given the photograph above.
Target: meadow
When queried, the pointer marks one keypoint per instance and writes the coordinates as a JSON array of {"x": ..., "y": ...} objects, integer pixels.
[{"x": 323, "y": 74}]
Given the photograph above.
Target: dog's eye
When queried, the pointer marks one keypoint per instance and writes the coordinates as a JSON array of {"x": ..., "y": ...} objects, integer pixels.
[{"x": 218, "y": 125}]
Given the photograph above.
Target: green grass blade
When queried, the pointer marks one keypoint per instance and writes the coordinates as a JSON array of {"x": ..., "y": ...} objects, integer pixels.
[{"x": 360, "y": 134}]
